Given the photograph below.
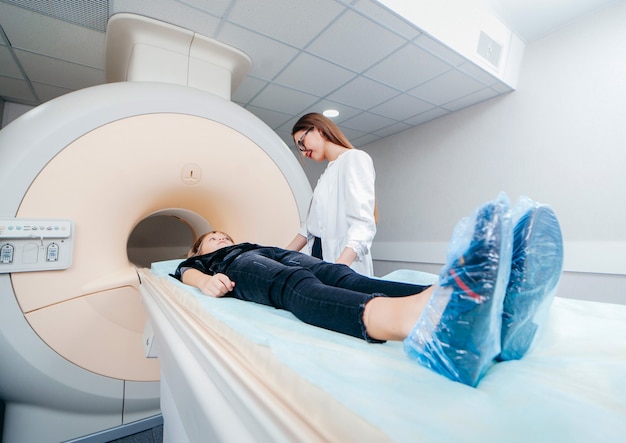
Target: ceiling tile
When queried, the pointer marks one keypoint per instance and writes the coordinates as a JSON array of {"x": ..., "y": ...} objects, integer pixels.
[
  {"x": 214, "y": 7},
  {"x": 446, "y": 88},
  {"x": 478, "y": 73},
  {"x": 273, "y": 119},
  {"x": 312, "y": 74},
  {"x": 402, "y": 107},
  {"x": 386, "y": 18},
  {"x": 269, "y": 57},
  {"x": 501, "y": 88},
  {"x": 408, "y": 67},
  {"x": 439, "y": 50},
  {"x": 368, "y": 122},
  {"x": 47, "y": 36},
  {"x": 8, "y": 66},
  {"x": 248, "y": 89},
  {"x": 366, "y": 43},
  {"x": 352, "y": 134},
  {"x": 363, "y": 93},
  {"x": 92, "y": 14},
  {"x": 306, "y": 57},
  {"x": 345, "y": 112},
  {"x": 295, "y": 21},
  {"x": 287, "y": 100},
  {"x": 14, "y": 89},
  {"x": 60, "y": 73},
  {"x": 48, "y": 92},
  {"x": 364, "y": 140}
]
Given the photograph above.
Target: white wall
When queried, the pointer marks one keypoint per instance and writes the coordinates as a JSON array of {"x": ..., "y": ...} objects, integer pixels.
[{"x": 560, "y": 138}]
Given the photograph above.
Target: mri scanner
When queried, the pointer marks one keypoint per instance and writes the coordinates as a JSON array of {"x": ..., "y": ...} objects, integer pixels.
[
  {"x": 80, "y": 175},
  {"x": 97, "y": 183}
]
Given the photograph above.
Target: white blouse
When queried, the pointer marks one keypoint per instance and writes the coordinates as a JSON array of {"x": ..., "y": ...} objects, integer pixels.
[{"x": 342, "y": 210}]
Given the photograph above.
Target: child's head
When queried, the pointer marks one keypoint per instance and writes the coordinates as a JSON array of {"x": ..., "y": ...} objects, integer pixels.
[{"x": 210, "y": 242}]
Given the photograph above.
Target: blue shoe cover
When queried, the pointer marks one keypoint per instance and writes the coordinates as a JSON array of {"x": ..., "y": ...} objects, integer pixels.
[
  {"x": 458, "y": 334},
  {"x": 536, "y": 265}
]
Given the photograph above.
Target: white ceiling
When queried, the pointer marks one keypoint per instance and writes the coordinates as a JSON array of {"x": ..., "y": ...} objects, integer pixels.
[{"x": 383, "y": 74}]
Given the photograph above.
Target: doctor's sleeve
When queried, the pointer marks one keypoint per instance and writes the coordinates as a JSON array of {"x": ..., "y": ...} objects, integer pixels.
[{"x": 359, "y": 195}]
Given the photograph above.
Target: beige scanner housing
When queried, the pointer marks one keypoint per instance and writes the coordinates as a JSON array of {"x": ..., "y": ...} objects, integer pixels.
[
  {"x": 109, "y": 180},
  {"x": 110, "y": 158}
]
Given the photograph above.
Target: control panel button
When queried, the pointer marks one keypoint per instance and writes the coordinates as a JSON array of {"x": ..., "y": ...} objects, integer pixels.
[{"x": 29, "y": 245}]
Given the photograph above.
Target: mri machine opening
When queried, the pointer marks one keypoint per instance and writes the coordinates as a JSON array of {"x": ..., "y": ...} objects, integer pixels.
[
  {"x": 159, "y": 237},
  {"x": 139, "y": 169}
]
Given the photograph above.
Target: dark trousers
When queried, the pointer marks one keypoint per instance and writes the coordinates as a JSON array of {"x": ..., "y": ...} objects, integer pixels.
[{"x": 327, "y": 295}]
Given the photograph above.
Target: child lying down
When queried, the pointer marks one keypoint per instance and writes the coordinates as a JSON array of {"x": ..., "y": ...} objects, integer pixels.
[{"x": 502, "y": 269}]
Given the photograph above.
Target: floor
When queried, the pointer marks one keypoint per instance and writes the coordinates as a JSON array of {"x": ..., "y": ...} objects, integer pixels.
[{"x": 153, "y": 435}]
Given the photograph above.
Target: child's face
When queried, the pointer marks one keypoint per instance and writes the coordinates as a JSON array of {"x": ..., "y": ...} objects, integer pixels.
[{"x": 213, "y": 242}]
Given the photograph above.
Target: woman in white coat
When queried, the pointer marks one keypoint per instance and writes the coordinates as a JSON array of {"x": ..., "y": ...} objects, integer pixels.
[{"x": 341, "y": 222}]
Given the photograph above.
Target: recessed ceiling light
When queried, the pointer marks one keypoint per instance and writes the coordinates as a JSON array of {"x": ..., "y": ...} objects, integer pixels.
[{"x": 330, "y": 113}]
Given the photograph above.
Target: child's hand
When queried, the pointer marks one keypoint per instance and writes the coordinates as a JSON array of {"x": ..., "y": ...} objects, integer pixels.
[{"x": 217, "y": 285}]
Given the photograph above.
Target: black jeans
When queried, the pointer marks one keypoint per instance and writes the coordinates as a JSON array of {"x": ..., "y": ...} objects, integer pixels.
[{"x": 327, "y": 295}]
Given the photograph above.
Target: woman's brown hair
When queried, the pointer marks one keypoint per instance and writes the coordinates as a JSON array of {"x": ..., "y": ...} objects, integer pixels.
[{"x": 329, "y": 130}]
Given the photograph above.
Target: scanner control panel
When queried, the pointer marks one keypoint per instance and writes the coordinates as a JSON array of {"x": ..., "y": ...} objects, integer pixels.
[{"x": 28, "y": 245}]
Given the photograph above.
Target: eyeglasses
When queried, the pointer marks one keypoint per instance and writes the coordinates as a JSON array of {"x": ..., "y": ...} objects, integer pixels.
[{"x": 300, "y": 142}]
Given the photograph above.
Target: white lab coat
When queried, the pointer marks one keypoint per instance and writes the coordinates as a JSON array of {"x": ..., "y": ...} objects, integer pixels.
[{"x": 342, "y": 210}]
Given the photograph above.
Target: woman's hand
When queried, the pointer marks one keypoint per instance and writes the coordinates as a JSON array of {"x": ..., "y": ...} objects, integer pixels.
[
  {"x": 347, "y": 257},
  {"x": 298, "y": 242}
]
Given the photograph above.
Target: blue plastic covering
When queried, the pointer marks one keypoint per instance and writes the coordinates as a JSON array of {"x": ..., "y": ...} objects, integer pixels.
[
  {"x": 458, "y": 334},
  {"x": 537, "y": 262}
]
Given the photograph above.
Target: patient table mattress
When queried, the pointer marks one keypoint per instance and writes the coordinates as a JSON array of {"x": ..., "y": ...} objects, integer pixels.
[{"x": 571, "y": 386}]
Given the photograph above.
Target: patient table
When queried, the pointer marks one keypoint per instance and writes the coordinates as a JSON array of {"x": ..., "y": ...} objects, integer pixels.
[{"x": 238, "y": 371}]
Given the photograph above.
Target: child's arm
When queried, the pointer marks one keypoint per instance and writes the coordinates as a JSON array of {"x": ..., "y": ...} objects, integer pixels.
[{"x": 216, "y": 285}]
